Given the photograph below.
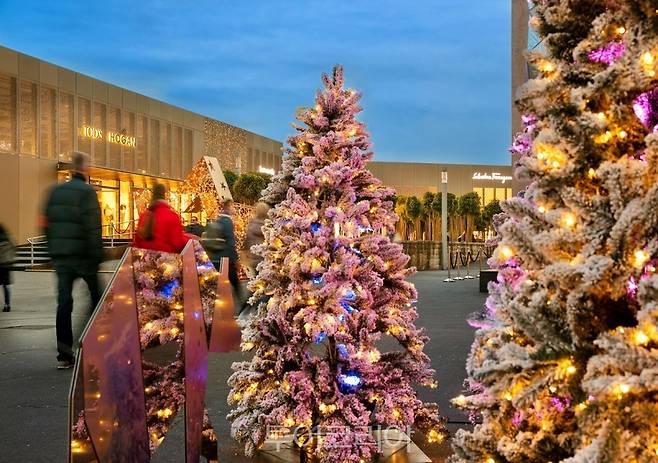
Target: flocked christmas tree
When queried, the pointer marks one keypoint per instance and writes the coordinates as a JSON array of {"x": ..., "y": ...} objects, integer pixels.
[
  {"x": 337, "y": 287},
  {"x": 565, "y": 365}
]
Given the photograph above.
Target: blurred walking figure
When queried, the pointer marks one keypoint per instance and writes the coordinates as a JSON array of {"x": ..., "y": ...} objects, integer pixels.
[
  {"x": 160, "y": 227},
  {"x": 195, "y": 228},
  {"x": 73, "y": 230},
  {"x": 250, "y": 260},
  {"x": 7, "y": 256},
  {"x": 254, "y": 236},
  {"x": 220, "y": 242}
]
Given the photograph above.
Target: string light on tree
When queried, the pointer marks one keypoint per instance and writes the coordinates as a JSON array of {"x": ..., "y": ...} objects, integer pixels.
[
  {"x": 568, "y": 220},
  {"x": 320, "y": 326},
  {"x": 640, "y": 257},
  {"x": 573, "y": 377}
]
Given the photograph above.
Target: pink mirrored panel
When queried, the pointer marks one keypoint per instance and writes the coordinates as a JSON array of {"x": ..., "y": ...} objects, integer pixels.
[
  {"x": 159, "y": 291},
  {"x": 196, "y": 356},
  {"x": 207, "y": 282},
  {"x": 80, "y": 448},
  {"x": 114, "y": 406},
  {"x": 225, "y": 334}
]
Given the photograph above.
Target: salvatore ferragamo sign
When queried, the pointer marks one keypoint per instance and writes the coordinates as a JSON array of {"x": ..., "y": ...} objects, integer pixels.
[
  {"x": 493, "y": 176},
  {"x": 112, "y": 137}
]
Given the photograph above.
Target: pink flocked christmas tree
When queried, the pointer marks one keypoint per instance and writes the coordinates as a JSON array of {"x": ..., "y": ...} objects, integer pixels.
[{"x": 337, "y": 289}]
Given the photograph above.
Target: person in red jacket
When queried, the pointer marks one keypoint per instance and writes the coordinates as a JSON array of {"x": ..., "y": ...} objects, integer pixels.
[{"x": 160, "y": 227}]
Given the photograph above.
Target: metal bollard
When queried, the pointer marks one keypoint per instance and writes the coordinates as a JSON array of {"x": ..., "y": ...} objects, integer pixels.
[
  {"x": 449, "y": 279},
  {"x": 459, "y": 264},
  {"x": 480, "y": 260},
  {"x": 468, "y": 263}
]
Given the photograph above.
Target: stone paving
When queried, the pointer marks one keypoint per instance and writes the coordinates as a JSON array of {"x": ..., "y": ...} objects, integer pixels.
[{"x": 35, "y": 393}]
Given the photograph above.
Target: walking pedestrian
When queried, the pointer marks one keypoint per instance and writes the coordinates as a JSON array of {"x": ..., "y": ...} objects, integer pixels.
[
  {"x": 254, "y": 236},
  {"x": 250, "y": 260},
  {"x": 160, "y": 227},
  {"x": 73, "y": 231},
  {"x": 220, "y": 242},
  {"x": 7, "y": 256},
  {"x": 195, "y": 228}
]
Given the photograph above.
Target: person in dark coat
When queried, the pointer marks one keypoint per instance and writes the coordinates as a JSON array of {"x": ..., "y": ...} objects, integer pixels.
[
  {"x": 195, "y": 228},
  {"x": 7, "y": 249},
  {"x": 250, "y": 260},
  {"x": 220, "y": 242},
  {"x": 254, "y": 237},
  {"x": 73, "y": 231}
]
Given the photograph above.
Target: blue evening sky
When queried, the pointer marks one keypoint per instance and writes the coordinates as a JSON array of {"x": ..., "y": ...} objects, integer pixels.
[{"x": 434, "y": 73}]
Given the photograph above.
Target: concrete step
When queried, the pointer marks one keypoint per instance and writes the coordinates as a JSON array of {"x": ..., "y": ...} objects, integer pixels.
[{"x": 36, "y": 257}]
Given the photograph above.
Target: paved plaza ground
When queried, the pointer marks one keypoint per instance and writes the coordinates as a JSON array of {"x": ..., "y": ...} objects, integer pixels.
[{"x": 34, "y": 394}]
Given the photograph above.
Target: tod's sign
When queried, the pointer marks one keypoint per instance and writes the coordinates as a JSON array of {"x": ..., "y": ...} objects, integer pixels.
[
  {"x": 493, "y": 176},
  {"x": 112, "y": 137}
]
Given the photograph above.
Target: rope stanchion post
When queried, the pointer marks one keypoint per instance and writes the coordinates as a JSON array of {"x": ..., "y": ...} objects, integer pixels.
[
  {"x": 481, "y": 256},
  {"x": 449, "y": 255},
  {"x": 469, "y": 254},
  {"x": 459, "y": 263}
]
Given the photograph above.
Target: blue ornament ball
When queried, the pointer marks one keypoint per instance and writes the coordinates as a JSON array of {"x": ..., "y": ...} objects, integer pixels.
[
  {"x": 349, "y": 295},
  {"x": 345, "y": 305},
  {"x": 349, "y": 381}
]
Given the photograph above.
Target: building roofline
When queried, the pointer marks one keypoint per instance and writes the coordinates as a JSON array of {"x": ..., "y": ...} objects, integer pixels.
[{"x": 135, "y": 92}]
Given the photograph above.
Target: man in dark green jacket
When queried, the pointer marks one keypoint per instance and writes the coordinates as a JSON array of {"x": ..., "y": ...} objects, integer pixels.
[
  {"x": 73, "y": 231},
  {"x": 220, "y": 242}
]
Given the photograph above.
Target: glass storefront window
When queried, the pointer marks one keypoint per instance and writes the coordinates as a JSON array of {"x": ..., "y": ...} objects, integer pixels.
[
  {"x": 114, "y": 149},
  {"x": 28, "y": 128},
  {"x": 500, "y": 194},
  {"x": 509, "y": 192},
  {"x": 84, "y": 120},
  {"x": 154, "y": 148},
  {"x": 129, "y": 152},
  {"x": 488, "y": 195},
  {"x": 48, "y": 133},
  {"x": 100, "y": 144},
  {"x": 66, "y": 128},
  {"x": 7, "y": 114},
  {"x": 177, "y": 153},
  {"x": 141, "y": 150}
]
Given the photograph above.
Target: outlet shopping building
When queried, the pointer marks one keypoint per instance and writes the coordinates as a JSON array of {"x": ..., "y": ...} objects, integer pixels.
[
  {"x": 47, "y": 112},
  {"x": 415, "y": 179}
]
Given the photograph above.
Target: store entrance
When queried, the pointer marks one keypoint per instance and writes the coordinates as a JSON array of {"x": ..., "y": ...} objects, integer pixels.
[
  {"x": 115, "y": 200},
  {"x": 122, "y": 196}
]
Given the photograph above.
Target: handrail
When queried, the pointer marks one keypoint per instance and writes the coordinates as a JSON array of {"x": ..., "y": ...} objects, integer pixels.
[{"x": 35, "y": 240}]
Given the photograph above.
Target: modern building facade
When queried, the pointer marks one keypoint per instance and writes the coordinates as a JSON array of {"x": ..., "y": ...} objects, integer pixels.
[
  {"x": 47, "y": 112},
  {"x": 415, "y": 179}
]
